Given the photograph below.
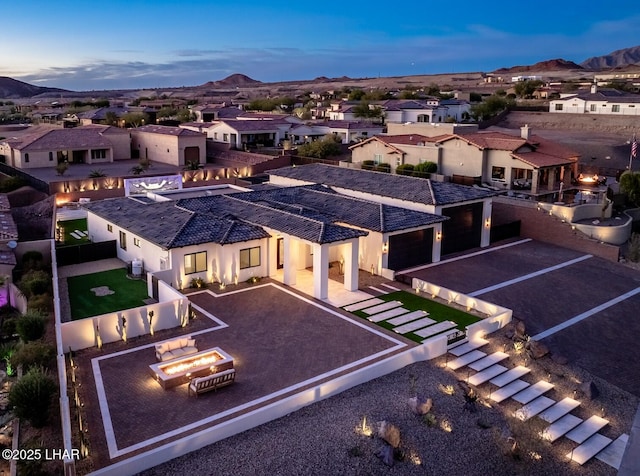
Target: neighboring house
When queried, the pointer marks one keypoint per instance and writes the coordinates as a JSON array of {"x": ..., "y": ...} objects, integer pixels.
[
  {"x": 103, "y": 114},
  {"x": 94, "y": 144},
  {"x": 468, "y": 210},
  {"x": 406, "y": 110},
  {"x": 240, "y": 134},
  {"x": 495, "y": 158},
  {"x": 598, "y": 101},
  {"x": 214, "y": 112},
  {"x": 347, "y": 131},
  {"x": 232, "y": 238},
  {"x": 169, "y": 145}
]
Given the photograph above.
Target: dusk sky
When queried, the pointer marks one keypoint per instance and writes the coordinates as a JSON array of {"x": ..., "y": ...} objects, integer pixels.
[{"x": 116, "y": 44}]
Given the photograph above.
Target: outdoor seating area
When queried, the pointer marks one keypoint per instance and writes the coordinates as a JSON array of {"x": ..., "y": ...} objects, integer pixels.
[
  {"x": 212, "y": 382},
  {"x": 175, "y": 348},
  {"x": 181, "y": 370}
]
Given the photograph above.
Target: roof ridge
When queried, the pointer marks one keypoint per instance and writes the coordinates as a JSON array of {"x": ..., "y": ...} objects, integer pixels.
[
  {"x": 382, "y": 227},
  {"x": 232, "y": 224},
  {"x": 184, "y": 225},
  {"x": 433, "y": 195},
  {"x": 230, "y": 197}
]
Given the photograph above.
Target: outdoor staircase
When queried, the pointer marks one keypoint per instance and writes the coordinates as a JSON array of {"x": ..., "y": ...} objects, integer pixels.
[{"x": 506, "y": 383}]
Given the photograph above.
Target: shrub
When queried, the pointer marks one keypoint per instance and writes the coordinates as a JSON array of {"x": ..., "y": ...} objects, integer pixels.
[
  {"x": 7, "y": 350},
  {"x": 97, "y": 173},
  {"x": 425, "y": 169},
  {"x": 32, "y": 260},
  {"x": 34, "y": 354},
  {"x": 35, "y": 282},
  {"x": 7, "y": 311},
  {"x": 404, "y": 169},
  {"x": 9, "y": 326},
  {"x": 11, "y": 183},
  {"x": 31, "y": 397},
  {"x": 368, "y": 164},
  {"x": 62, "y": 167},
  {"x": 31, "y": 326},
  {"x": 386, "y": 168},
  {"x": 633, "y": 253},
  {"x": 40, "y": 303}
]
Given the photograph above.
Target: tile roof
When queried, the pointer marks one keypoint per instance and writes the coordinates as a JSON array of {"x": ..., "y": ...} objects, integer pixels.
[
  {"x": 608, "y": 95},
  {"x": 166, "y": 130},
  {"x": 251, "y": 125},
  {"x": 400, "y": 187},
  {"x": 169, "y": 226},
  {"x": 62, "y": 139},
  {"x": 324, "y": 204}
]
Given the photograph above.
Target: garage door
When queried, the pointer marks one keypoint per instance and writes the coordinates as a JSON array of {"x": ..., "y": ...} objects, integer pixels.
[
  {"x": 463, "y": 230},
  {"x": 410, "y": 249},
  {"x": 192, "y": 154}
]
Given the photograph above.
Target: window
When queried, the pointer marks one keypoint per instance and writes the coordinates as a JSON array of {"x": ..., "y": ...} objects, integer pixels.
[
  {"x": 110, "y": 228},
  {"x": 50, "y": 156},
  {"x": 250, "y": 257},
  {"x": 377, "y": 158},
  {"x": 497, "y": 173},
  {"x": 215, "y": 135},
  {"x": 615, "y": 108},
  {"x": 559, "y": 107},
  {"x": 136, "y": 242},
  {"x": 225, "y": 137},
  {"x": 26, "y": 157},
  {"x": 99, "y": 154},
  {"x": 593, "y": 108},
  {"x": 123, "y": 240},
  {"x": 195, "y": 262}
]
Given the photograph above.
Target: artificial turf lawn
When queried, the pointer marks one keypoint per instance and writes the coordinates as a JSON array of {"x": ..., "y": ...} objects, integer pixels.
[
  {"x": 73, "y": 225},
  {"x": 437, "y": 311},
  {"x": 128, "y": 293}
]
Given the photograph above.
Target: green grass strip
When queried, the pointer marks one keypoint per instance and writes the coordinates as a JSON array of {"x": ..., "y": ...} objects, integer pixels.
[
  {"x": 437, "y": 311},
  {"x": 128, "y": 293}
]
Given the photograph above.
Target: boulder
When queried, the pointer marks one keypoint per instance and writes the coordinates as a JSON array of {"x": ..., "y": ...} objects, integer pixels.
[
  {"x": 389, "y": 433},
  {"x": 386, "y": 455},
  {"x": 420, "y": 406},
  {"x": 589, "y": 390},
  {"x": 520, "y": 330},
  {"x": 537, "y": 350}
]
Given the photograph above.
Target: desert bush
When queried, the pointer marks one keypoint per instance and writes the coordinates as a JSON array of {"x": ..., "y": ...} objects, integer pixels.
[
  {"x": 31, "y": 396},
  {"x": 34, "y": 354},
  {"x": 34, "y": 282},
  {"x": 32, "y": 260},
  {"x": 40, "y": 302},
  {"x": 31, "y": 326},
  {"x": 9, "y": 327},
  {"x": 7, "y": 311},
  {"x": 405, "y": 169}
]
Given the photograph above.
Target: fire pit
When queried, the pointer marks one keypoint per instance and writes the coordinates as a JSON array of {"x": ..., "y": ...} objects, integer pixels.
[{"x": 179, "y": 371}]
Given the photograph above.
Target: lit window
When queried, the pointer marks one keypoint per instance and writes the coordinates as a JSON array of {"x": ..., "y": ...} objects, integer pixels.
[
  {"x": 497, "y": 173},
  {"x": 195, "y": 262},
  {"x": 250, "y": 257}
]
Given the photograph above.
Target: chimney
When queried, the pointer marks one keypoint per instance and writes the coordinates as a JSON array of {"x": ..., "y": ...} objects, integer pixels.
[
  {"x": 594, "y": 87},
  {"x": 525, "y": 132}
]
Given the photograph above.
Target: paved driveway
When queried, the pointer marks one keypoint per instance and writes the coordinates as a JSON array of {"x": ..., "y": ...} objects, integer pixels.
[{"x": 582, "y": 307}]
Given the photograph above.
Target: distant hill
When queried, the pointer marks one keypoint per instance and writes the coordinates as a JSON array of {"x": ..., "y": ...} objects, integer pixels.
[
  {"x": 617, "y": 59},
  {"x": 549, "y": 65},
  {"x": 13, "y": 89},
  {"x": 233, "y": 81}
]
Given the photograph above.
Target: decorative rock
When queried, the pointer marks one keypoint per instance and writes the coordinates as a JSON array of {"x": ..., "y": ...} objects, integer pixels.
[
  {"x": 520, "y": 330},
  {"x": 386, "y": 455},
  {"x": 537, "y": 350},
  {"x": 389, "y": 433},
  {"x": 589, "y": 390},
  {"x": 419, "y": 406}
]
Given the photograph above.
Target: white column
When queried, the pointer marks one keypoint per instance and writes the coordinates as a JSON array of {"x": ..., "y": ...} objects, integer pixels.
[
  {"x": 290, "y": 260},
  {"x": 351, "y": 266},
  {"x": 485, "y": 239},
  {"x": 320, "y": 271},
  {"x": 437, "y": 243}
]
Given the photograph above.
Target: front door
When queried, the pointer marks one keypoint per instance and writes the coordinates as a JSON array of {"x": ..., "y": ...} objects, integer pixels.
[{"x": 280, "y": 257}]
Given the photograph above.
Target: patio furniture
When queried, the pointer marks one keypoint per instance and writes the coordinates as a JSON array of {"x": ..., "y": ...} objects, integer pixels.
[
  {"x": 175, "y": 348},
  {"x": 211, "y": 382}
]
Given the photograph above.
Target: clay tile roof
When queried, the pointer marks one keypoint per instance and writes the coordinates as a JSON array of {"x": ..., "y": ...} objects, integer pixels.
[{"x": 166, "y": 130}]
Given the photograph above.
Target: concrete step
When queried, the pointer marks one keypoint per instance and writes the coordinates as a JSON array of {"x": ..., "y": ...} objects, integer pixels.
[
  {"x": 559, "y": 410},
  {"x": 561, "y": 427},
  {"x": 363, "y": 304},
  {"x": 508, "y": 390},
  {"x": 587, "y": 429},
  {"x": 534, "y": 407},
  {"x": 383, "y": 316},
  {"x": 533, "y": 392},
  {"x": 381, "y": 307},
  {"x": 468, "y": 347},
  {"x": 589, "y": 449},
  {"x": 413, "y": 325},
  {"x": 510, "y": 376},
  {"x": 612, "y": 454},
  {"x": 411, "y": 316},
  {"x": 465, "y": 359},
  {"x": 486, "y": 374},
  {"x": 434, "y": 329},
  {"x": 488, "y": 361}
]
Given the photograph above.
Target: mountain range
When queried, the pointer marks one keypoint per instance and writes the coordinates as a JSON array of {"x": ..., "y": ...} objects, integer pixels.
[{"x": 629, "y": 57}]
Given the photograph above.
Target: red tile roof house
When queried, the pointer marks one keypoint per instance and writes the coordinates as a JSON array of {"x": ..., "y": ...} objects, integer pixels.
[
  {"x": 495, "y": 158},
  {"x": 95, "y": 144}
]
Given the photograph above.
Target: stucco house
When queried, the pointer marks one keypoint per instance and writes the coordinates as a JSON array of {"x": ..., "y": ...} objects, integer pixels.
[
  {"x": 94, "y": 144},
  {"x": 240, "y": 134},
  {"x": 169, "y": 145},
  {"x": 505, "y": 161},
  {"x": 597, "y": 101},
  {"x": 347, "y": 131},
  {"x": 406, "y": 110},
  {"x": 274, "y": 231}
]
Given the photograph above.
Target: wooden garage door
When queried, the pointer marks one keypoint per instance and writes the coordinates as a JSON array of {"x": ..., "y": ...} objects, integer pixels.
[
  {"x": 464, "y": 228},
  {"x": 410, "y": 249},
  {"x": 192, "y": 154}
]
